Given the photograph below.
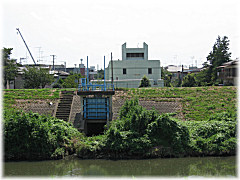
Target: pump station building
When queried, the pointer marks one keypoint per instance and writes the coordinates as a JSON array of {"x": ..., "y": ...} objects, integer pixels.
[{"x": 128, "y": 72}]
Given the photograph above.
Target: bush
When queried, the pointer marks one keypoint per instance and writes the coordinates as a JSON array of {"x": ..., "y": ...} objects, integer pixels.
[
  {"x": 212, "y": 137},
  {"x": 144, "y": 133},
  {"x": 30, "y": 136},
  {"x": 137, "y": 131},
  {"x": 145, "y": 82}
]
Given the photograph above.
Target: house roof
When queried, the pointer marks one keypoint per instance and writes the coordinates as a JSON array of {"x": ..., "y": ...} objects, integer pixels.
[{"x": 230, "y": 63}]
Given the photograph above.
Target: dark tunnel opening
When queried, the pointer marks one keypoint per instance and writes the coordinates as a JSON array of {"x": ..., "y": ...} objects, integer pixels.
[{"x": 94, "y": 129}]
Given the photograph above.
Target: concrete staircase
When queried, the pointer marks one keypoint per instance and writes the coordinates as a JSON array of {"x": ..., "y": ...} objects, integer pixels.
[{"x": 64, "y": 106}]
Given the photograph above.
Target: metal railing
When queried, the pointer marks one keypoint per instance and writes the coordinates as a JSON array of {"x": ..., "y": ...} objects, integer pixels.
[{"x": 96, "y": 87}]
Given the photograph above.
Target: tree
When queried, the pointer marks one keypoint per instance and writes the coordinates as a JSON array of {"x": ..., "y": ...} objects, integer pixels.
[
  {"x": 189, "y": 81},
  {"x": 218, "y": 56},
  {"x": 36, "y": 78},
  {"x": 70, "y": 81},
  {"x": 166, "y": 76},
  {"x": 145, "y": 82},
  {"x": 10, "y": 66}
]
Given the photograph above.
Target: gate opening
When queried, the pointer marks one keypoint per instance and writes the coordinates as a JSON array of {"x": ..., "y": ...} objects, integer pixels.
[{"x": 94, "y": 129}]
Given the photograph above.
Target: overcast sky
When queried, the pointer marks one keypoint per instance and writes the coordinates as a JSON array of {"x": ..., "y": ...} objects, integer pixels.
[{"x": 176, "y": 31}]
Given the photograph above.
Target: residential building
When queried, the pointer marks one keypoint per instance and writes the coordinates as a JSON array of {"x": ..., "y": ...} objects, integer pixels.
[{"x": 227, "y": 72}]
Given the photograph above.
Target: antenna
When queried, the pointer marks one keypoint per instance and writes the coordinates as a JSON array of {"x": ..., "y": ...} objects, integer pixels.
[
  {"x": 39, "y": 48},
  {"x": 192, "y": 57}
]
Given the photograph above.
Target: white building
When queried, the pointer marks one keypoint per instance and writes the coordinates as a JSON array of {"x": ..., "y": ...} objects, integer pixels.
[{"x": 129, "y": 71}]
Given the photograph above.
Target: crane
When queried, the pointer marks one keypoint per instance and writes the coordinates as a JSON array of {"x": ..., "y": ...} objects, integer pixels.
[{"x": 26, "y": 46}]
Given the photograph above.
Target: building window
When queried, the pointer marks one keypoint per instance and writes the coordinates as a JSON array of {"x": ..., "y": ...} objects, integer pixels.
[
  {"x": 149, "y": 70},
  {"x": 135, "y": 55},
  {"x": 124, "y": 71}
]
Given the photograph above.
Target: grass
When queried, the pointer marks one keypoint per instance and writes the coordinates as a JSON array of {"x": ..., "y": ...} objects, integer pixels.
[{"x": 198, "y": 103}]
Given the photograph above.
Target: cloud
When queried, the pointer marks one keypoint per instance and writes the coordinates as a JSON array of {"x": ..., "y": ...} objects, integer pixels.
[{"x": 33, "y": 14}]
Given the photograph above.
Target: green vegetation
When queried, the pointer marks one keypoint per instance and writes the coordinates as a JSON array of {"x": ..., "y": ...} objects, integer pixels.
[
  {"x": 142, "y": 133},
  {"x": 208, "y": 126},
  {"x": 10, "y": 95},
  {"x": 145, "y": 82},
  {"x": 208, "y": 76},
  {"x": 30, "y": 136},
  {"x": 37, "y": 77},
  {"x": 198, "y": 103},
  {"x": 10, "y": 66},
  {"x": 213, "y": 137},
  {"x": 70, "y": 82}
]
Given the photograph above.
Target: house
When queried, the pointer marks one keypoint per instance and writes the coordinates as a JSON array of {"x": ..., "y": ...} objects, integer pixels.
[
  {"x": 227, "y": 72},
  {"x": 128, "y": 72},
  {"x": 180, "y": 71}
]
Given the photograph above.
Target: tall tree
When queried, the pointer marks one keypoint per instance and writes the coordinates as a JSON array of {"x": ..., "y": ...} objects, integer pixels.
[
  {"x": 10, "y": 66},
  {"x": 218, "y": 55}
]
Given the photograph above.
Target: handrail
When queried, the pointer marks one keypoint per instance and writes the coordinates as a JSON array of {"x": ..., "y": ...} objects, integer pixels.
[{"x": 96, "y": 87}]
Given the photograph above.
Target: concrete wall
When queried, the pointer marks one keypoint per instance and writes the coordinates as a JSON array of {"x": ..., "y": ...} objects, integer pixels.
[
  {"x": 126, "y": 50},
  {"x": 134, "y": 83},
  {"x": 135, "y": 70}
]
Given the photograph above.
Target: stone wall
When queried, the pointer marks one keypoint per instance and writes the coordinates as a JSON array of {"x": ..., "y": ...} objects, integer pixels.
[
  {"x": 37, "y": 106},
  {"x": 44, "y": 107}
]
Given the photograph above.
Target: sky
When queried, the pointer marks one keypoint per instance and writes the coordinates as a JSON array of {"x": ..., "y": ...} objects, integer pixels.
[{"x": 176, "y": 31}]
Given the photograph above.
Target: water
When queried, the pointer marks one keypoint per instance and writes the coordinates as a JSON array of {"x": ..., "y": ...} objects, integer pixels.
[{"x": 168, "y": 167}]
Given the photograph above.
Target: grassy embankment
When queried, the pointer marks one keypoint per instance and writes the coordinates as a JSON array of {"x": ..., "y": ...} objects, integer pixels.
[{"x": 209, "y": 129}]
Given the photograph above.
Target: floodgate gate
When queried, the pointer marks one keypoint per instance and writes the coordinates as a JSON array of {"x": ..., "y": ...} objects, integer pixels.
[{"x": 96, "y": 106}]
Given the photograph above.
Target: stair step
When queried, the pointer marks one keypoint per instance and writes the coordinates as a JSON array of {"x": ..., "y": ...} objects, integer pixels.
[
  {"x": 64, "y": 106},
  {"x": 62, "y": 114}
]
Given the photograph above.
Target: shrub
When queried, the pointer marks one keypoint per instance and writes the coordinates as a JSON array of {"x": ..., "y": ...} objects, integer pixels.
[
  {"x": 138, "y": 130},
  {"x": 144, "y": 133},
  {"x": 30, "y": 136},
  {"x": 212, "y": 137},
  {"x": 145, "y": 82}
]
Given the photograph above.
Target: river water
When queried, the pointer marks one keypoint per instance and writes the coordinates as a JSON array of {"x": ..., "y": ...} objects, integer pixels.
[{"x": 167, "y": 167}]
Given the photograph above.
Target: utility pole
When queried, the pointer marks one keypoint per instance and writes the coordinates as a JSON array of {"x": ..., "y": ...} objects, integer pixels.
[
  {"x": 53, "y": 61},
  {"x": 112, "y": 67},
  {"x": 75, "y": 68}
]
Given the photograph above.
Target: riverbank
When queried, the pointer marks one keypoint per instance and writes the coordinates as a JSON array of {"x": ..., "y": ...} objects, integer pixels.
[
  {"x": 206, "y": 127},
  {"x": 144, "y": 133}
]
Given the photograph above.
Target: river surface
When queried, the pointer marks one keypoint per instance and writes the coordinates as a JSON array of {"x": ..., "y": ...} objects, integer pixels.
[{"x": 167, "y": 167}]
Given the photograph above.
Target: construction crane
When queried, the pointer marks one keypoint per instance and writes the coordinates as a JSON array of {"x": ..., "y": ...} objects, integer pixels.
[{"x": 26, "y": 46}]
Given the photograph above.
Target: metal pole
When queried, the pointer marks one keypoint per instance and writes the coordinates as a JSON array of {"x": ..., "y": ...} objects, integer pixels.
[
  {"x": 87, "y": 71},
  {"x": 112, "y": 67},
  {"x": 26, "y": 45},
  {"x": 104, "y": 75},
  {"x": 53, "y": 61}
]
